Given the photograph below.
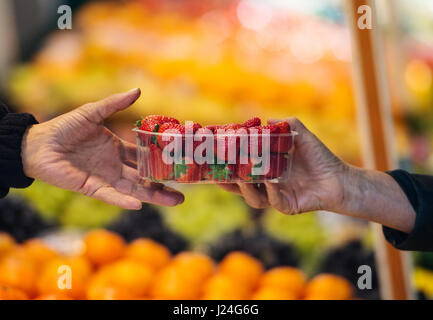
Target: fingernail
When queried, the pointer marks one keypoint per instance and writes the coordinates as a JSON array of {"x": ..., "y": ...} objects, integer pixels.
[
  {"x": 135, "y": 90},
  {"x": 179, "y": 199}
]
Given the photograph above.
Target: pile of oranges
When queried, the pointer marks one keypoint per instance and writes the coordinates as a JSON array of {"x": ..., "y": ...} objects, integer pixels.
[{"x": 110, "y": 269}]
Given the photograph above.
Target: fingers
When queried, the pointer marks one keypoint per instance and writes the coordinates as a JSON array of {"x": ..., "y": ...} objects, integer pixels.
[
  {"x": 253, "y": 196},
  {"x": 230, "y": 187},
  {"x": 276, "y": 198},
  {"x": 102, "y": 109},
  {"x": 150, "y": 192},
  {"x": 116, "y": 198},
  {"x": 158, "y": 194}
]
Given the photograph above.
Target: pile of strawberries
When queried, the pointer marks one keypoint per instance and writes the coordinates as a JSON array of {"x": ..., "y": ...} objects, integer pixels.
[{"x": 227, "y": 166}]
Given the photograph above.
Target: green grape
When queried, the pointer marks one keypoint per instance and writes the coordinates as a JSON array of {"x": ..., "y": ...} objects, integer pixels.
[
  {"x": 304, "y": 231},
  {"x": 84, "y": 212},
  {"x": 49, "y": 201},
  {"x": 207, "y": 213}
]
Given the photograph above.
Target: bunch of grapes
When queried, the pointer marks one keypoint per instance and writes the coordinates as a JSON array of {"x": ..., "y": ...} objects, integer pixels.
[
  {"x": 19, "y": 219},
  {"x": 147, "y": 223},
  {"x": 345, "y": 261},
  {"x": 269, "y": 251}
]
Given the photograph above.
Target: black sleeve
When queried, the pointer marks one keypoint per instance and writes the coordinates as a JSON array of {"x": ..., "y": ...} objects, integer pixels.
[
  {"x": 12, "y": 129},
  {"x": 419, "y": 191}
]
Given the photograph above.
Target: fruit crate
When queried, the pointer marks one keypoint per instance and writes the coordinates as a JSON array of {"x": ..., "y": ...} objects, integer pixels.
[{"x": 212, "y": 156}]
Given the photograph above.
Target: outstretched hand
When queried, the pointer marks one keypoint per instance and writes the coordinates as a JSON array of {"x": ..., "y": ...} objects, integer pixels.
[{"x": 75, "y": 151}]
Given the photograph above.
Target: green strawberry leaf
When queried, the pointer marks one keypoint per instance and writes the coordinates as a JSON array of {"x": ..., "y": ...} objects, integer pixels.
[
  {"x": 219, "y": 172},
  {"x": 180, "y": 169},
  {"x": 154, "y": 139},
  {"x": 138, "y": 123}
]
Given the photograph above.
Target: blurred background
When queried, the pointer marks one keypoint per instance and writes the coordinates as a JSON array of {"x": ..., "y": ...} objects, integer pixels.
[{"x": 216, "y": 61}]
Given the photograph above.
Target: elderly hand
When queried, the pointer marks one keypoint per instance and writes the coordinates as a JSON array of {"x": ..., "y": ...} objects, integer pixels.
[
  {"x": 315, "y": 181},
  {"x": 75, "y": 151},
  {"x": 321, "y": 181}
]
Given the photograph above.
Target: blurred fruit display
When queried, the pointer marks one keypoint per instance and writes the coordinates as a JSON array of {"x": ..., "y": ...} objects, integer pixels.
[
  {"x": 207, "y": 213},
  {"x": 127, "y": 276},
  {"x": 220, "y": 63}
]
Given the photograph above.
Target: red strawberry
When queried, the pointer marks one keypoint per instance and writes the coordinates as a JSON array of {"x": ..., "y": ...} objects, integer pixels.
[
  {"x": 255, "y": 139},
  {"x": 278, "y": 165},
  {"x": 228, "y": 142},
  {"x": 245, "y": 171},
  {"x": 160, "y": 119},
  {"x": 158, "y": 169},
  {"x": 184, "y": 172},
  {"x": 170, "y": 129},
  {"x": 283, "y": 143},
  {"x": 254, "y": 122}
]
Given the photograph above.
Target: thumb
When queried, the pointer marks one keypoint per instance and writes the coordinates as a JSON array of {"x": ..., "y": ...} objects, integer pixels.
[{"x": 102, "y": 109}]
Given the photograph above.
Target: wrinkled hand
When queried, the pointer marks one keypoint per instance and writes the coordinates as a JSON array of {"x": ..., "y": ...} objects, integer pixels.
[
  {"x": 315, "y": 182},
  {"x": 75, "y": 151}
]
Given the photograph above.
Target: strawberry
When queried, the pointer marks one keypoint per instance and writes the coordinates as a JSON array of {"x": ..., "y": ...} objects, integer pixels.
[
  {"x": 283, "y": 142},
  {"x": 245, "y": 171},
  {"x": 228, "y": 143},
  {"x": 255, "y": 139},
  {"x": 221, "y": 172},
  {"x": 213, "y": 128},
  {"x": 254, "y": 122},
  {"x": 184, "y": 172},
  {"x": 170, "y": 129},
  {"x": 161, "y": 119},
  {"x": 151, "y": 124},
  {"x": 278, "y": 165},
  {"x": 158, "y": 169}
]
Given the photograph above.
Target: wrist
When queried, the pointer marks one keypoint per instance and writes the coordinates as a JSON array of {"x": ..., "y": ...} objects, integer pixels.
[
  {"x": 352, "y": 192},
  {"x": 30, "y": 147}
]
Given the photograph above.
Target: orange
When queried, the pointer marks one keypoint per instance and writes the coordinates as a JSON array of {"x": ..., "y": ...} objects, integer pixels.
[
  {"x": 195, "y": 266},
  {"x": 173, "y": 283},
  {"x": 99, "y": 289},
  {"x": 148, "y": 252},
  {"x": 18, "y": 272},
  {"x": 102, "y": 246},
  {"x": 243, "y": 268},
  {"x": 38, "y": 251},
  {"x": 59, "y": 273},
  {"x": 222, "y": 287},
  {"x": 11, "y": 293},
  {"x": 7, "y": 243},
  {"x": 328, "y": 287},
  {"x": 286, "y": 278},
  {"x": 129, "y": 275},
  {"x": 53, "y": 296},
  {"x": 273, "y": 293}
]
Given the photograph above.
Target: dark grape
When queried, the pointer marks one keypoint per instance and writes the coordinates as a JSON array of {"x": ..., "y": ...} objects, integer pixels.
[
  {"x": 345, "y": 261},
  {"x": 19, "y": 220},
  {"x": 147, "y": 223},
  {"x": 268, "y": 250}
]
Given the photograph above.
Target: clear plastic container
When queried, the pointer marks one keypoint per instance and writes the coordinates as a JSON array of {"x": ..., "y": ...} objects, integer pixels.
[{"x": 214, "y": 158}]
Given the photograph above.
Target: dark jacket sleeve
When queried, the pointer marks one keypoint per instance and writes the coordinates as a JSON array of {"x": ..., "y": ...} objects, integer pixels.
[
  {"x": 419, "y": 191},
  {"x": 12, "y": 129}
]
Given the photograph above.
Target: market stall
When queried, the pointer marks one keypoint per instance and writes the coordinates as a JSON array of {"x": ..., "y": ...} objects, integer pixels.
[{"x": 211, "y": 62}]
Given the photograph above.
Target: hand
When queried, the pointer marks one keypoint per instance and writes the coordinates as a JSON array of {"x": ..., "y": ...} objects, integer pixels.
[
  {"x": 75, "y": 151},
  {"x": 321, "y": 181},
  {"x": 315, "y": 182}
]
